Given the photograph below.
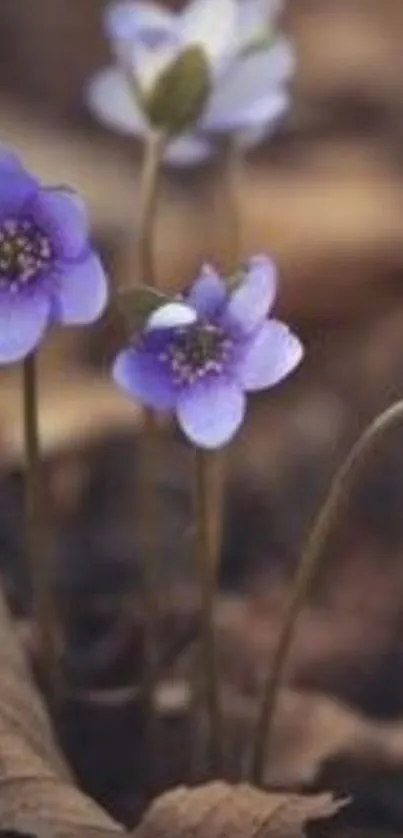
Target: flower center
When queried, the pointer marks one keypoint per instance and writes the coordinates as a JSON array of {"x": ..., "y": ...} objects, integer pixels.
[
  {"x": 25, "y": 251},
  {"x": 196, "y": 352}
]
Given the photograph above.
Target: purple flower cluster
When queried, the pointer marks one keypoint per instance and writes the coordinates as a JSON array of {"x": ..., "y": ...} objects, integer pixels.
[
  {"x": 197, "y": 356},
  {"x": 48, "y": 270},
  {"x": 200, "y": 365}
]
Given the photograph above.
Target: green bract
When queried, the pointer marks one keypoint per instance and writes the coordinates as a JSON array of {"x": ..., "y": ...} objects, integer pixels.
[
  {"x": 180, "y": 94},
  {"x": 137, "y": 304}
]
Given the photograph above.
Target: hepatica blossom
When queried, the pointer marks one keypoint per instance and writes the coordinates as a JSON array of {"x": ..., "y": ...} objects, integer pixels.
[
  {"x": 248, "y": 66},
  {"x": 200, "y": 359},
  {"x": 48, "y": 271}
]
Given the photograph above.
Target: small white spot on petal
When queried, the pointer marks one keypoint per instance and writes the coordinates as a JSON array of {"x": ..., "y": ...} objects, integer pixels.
[{"x": 170, "y": 316}]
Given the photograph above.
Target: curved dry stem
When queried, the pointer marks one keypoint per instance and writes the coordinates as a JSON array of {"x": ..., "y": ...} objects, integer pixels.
[{"x": 337, "y": 498}]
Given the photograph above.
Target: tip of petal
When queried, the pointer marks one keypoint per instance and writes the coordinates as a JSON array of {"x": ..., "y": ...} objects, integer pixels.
[{"x": 116, "y": 19}]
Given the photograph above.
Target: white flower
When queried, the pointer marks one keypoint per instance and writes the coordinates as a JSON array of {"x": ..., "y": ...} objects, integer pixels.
[{"x": 247, "y": 66}]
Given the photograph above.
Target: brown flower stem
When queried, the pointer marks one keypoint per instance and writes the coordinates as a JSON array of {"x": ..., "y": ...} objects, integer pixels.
[
  {"x": 208, "y": 490},
  {"x": 310, "y": 560},
  {"x": 37, "y": 542},
  {"x": 209, "y": 480},
  {"x": 148, "y": 206},
  {"x": 148, "y": 463}
]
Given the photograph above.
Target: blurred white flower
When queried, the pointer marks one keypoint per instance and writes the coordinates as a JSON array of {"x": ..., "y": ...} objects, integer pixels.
[{"x": 246, "y": 67}]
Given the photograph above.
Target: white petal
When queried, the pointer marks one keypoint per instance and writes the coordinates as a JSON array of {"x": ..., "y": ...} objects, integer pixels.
[
  {"x": 124, "y": 20},
  {"x": 148, "y": 64},
  {"x": 253, "y": 16},
  {"x": 112, "y": 102},
  {"x": 187, "y": 151},
  {"x": 249, "y": 82},
  {"x": 170, "y": 316},
  {"x": 212, "y": 25},
  {"x": 253, "y": 135},
  {"x": 145, "y": 39}
]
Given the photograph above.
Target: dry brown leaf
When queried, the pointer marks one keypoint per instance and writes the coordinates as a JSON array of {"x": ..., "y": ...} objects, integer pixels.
[
  {"x": 310, "y": 731},
  {"x": 36, "y": 793},
  {"x": 219, "y": 810}
]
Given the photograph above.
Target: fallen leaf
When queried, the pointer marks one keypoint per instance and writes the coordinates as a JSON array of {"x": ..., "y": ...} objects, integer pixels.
[
  {"x": 37, "y": 795},
  {"x": 219, "y": 810}
]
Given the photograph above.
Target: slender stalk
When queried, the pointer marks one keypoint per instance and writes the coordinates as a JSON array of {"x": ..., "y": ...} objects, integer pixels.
[
  {"x": 148, "y": 206},
  {"x": 233, "y": 170},
  {"x": 209, "y": 480},
  {"x": 335, "y": 502},
  {"x": 44, "y": 612},
  {"x": 148, "y": 463},
  {"x": 208, "y": 523}
]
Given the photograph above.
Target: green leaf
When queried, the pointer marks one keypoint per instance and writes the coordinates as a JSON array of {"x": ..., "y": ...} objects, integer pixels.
[
  {"x": 137, "y": 304},
  {"x": 180, "y": 94}
]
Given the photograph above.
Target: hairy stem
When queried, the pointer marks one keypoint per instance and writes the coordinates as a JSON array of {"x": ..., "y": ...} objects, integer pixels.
[
  {"x": 37, "y": 542},
  {"x": 310, "y": 560},
  {"x": 208, "y": 524}
]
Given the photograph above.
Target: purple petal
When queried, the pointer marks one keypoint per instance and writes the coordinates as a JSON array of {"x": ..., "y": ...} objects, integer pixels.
[
  {"x": 81, "y": 291},
  {"x": 170, "y": 316},
  {"x": 9, "y": 160},
  {"x": 250, "y": 303},
  {"x": 16, "y": 188},
  {"x": 270, "y": 356},
  {"x": 112, "y": 101},
  {"x": 237, "y": 99},
  {"x": 145, "y": 379},
  {"x": 208, "y": 293},
  {"x": 23, "y": 321},
  {"x": 63, "y": 216},
  {"x": 187, "y": 150},
  {"x": 211, "y": 411}
]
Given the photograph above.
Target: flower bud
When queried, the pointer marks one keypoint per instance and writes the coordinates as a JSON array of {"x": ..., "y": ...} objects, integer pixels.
[{"x": 180, "y": 93}]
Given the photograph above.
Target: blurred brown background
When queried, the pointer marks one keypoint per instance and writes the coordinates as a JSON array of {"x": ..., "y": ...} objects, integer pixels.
[{"x": 325, "y": 195}]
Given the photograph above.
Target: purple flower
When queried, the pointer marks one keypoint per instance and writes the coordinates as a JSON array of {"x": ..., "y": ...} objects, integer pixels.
[
  {"x": 203, "y": 368},
  {"x": 48, "y": 271},
  {"x": 249, "y": 70}
]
